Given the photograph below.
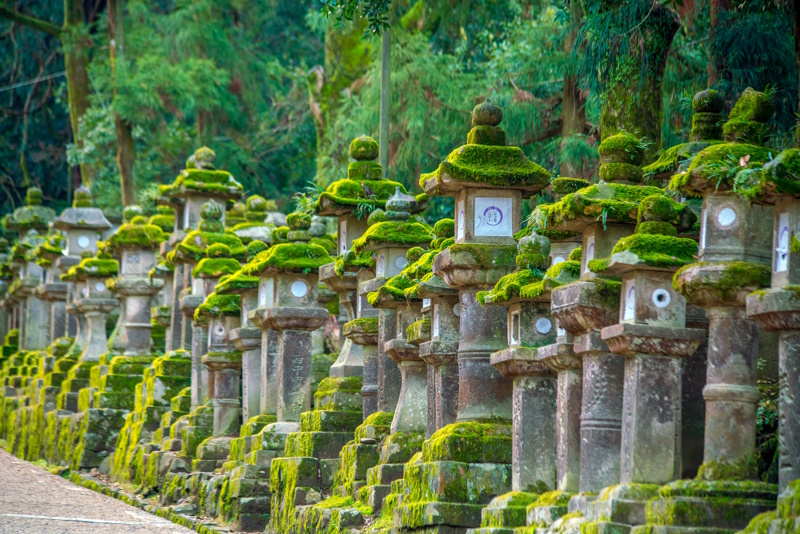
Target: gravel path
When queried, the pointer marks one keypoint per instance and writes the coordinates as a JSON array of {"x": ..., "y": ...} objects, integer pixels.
[{"x": 33, "y": 500}]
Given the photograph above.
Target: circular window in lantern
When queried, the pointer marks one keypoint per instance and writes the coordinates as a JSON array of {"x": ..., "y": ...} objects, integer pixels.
[
  {"x": 100, "y": 287},
  {"x": 299, "y": 288},
  {"x": 83, "y": 241},
  {"x": 726, "y": 217},
  {"x": 661, "y": 298},
  {"x": 543, "y": 325},
  {"x": 401, "y": 262},
  {"x": 457, "y": 310},
  {"x": 219, "y": 330},
  {"x": 558, "y": 259}
]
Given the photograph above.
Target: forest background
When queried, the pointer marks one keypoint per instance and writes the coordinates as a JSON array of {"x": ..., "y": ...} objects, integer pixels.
[{"x": 116, "y": 94}]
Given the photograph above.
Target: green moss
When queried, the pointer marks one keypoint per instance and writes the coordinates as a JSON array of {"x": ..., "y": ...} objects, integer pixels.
[
  {"x": 622, "y": 147},
  {"x": 495, "y": 165},
  {"x": 444, "y": 228},
  {"x": 347, "y": 384},
  {"x": 289, "y": 257},
  {"x": 393, "y": 290},
  {"x": 236, "y": 283},
  {"x": 363, "y": 148},
  {"x": 508, "y": 287},
  {"x": 606, "y": 201},
  {"x": 575, "y": 255},
  {"x": 205, "y": 180},
  {"x": 486, "y": 256},
  {"x": 565, "y": 186},
  {"x": 620, "y": 172},
  {"x": 706, "y": 126},
  {"x": 744, "y": 470},
  {"x": 368, "y": 325},
  {"x": 656, "y": 227},
  {"x": 470, "y": 442},
  {"x": 100, "y": 267},
  {"x": 745, "y": 132},
  {"x": 350, "y": 261},
  {"x": 352, "y": 192},
  {"x": 414, "y": 254},
  {"x": 193, "y": 247},
  {"x": 752, "y": 105},
  {"x": 146, "y": 236},
  {"x": 298, "y": 220},
  {"x": 215, "y": 267},
  {"x": 218, "y": 306},
  {"x": 720, "y": 166},
  {"x": 658, "y": 250},
  {"x": 783, "y": 173},
  {"x": 737, "y": 275},
  {"x": 393, "y": 233}
]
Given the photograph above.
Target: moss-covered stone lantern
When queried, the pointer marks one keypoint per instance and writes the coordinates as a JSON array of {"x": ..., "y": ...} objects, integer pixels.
[
  {"x": 487, "y": 179},
  {"x": 254, "y": 226},
  {"x": 734, "y": 258},
  {"x": 292, "y": 269},
  {"x": 439, "y": 329},
  {"x": 52, "y": 289},
  {"x": 209, "y": 253},
  {"x": 351, "y": 200},
  {"x": 778, "y": 309},
  {"x": 652, "y": 337},
  {"x": 391, "y": 235}
]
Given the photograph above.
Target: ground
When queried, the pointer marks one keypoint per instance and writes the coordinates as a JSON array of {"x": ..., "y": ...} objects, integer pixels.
[{"x": 34, "y": 500}]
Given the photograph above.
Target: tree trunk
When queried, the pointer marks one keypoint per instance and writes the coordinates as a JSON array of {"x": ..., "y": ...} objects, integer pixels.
[
  {"x": 795, "y": 6},
  {"x": 716, "y": 61},
  {"x": 573, "y": 113},
  {"x": 125, "y": 147},
  {"x": 75, "y": 45},
  {"x": 76, "y": 60},
  {"x": 632, "y": 97}
]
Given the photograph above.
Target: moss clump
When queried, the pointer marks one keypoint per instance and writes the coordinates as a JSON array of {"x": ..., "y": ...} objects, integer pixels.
[
  {"x": 215, "y": 267},
  {"x": 350, "y": 261},
  {"x": 236, "y": 283},
  {"x": 486, "y": 256},
  {"x": 722, "y": 166},
  {"x": 495, "y": 165},
  {"x": 575, "y": 255},
  {"x": 280, "y": 234},
  {"x": 393, "y": 290},
  {"x": 470, "y": 442},
  {"x": 290, "y": 257},
  {"x": 752, "y": 106},
  {"x": 219, "y": 306},
  {"x": 393, "y": 232},
  {"x": 100, "y": 267},
  {"x": 558, "y": 275},
  {"x": 676, "y": 158},
  {"x": 656, "y": 227},
  {"x": 349, "y": 193},
  {"x": 444, "y": 228},
  {"x": 193, "y": 247},
  {"x": 135, "y": 235},
  {"x": 620, "y": 172},
  {"x": 622, "y": 147},
  {"x": 565, "y": 186},
  {"x": 254, "y": 248},
  {"x": 783, "y": 173},
  {"x": 736, "y": 276},
  {"x": 604, "y": 201},
  {"x": 363, "y": 148},
  {"x": 414, "y": 254},
  {"x": 298, "y": 220},
  {"x": 205, "y": 180},
  {"x": 508, "y": 287},
  {"x": 657, "y": 250},
  {"x": 367, "y": 325},
  {"x": 708, "y": 100}
]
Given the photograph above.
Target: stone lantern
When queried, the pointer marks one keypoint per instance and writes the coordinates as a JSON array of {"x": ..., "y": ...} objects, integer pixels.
[
  {"x": 254, "y": 226},
  {"x": 734, "y": 259},
  {"x": 161, "y": 313},
  {"x": 208, "y": 242},
  {"x": 487, "y": 179},
  {"x": 778, "y": 309},
  {"x": 602, "y": 213},
  {"x": 346, "y": 199},
  {"x": 222, "y": 314},
  {"x": 52, "y": 289},
  {"x": 291, "y": 268},
  {"x": 389, "y": 239},
  {"x": 5, "y": 316},
  {"x": 440, "y": 348},
  {"x": 652, "y": 337},
  {"x": 34, "y": 325},
  {"x": 136, "y": 244},
  {"x": 199, "y": 183}
]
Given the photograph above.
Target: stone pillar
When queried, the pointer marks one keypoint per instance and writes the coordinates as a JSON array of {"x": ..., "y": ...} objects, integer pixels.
[
  {"x": 248, "y": 340},
  {"x": 270, "y": 347},
  {"x": 410, "y": 414}
]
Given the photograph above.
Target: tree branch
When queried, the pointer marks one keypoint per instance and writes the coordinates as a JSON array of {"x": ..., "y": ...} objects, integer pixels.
[{"x": 31, "y": 22}]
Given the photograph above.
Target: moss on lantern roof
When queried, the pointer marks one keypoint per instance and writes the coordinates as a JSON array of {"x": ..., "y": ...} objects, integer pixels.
[
  {"x": 444, "y": 228},
  {"x": 52, "y": 247},
  {"x": 676, "y": 158},
  {"x": 723, "y": 167},
  {"x": 552, "y": 235},
  {"x": 653, "y": 250},
  {"x": 350, "y": 261},
  {"x": 327, "y": 241},
  {"x": 215, "y": 267},
  {"x": 392, "y": 290},
  {"x": 608, "y": 202},
  {"x": 164, "y": 219},
  {"x": 736, "y": 275},
  {"x": 393, "y": 233},
  {"x": 193, "y": 247},
  {"x": 303, "y": 257},
  {"x": 349, "y": 193},
  {"x": 503, "y": 166},
  {"x": 204, "y": 181},
  {"x": 103, "y": 266},
  {"x": 564, "y": 185},
  {"x": 782, "y": 175},
  {"x": 135, "y": 234},
  {"x": 508, "y": 287},
  {"x": 219, "y": 306},
  {"x": 236, "y": 282},
  {"x": 622, "y": 147},
  {"x": 30, "y": 216},
  {"x": 429, "y": 280}
]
